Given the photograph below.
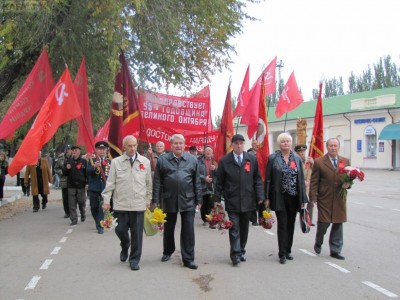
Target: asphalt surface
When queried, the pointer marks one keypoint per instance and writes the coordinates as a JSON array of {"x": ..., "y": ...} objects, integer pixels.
[{"x": 43, "y": 257}]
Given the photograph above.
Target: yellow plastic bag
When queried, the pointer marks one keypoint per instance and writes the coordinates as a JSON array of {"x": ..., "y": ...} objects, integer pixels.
[{"x": 148, "y": 226}]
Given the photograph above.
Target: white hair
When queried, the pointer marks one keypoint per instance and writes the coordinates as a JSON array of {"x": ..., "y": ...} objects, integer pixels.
[
  {"x": 177, "y": 136},
  {"x": 284, "y": 135},
  {"x": 128, "y": 138}
]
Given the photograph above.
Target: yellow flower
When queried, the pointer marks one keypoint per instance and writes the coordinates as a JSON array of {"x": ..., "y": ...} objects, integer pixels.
[
  {"x": 158, "y": 216},
  {"x": 266, "y": 214}
]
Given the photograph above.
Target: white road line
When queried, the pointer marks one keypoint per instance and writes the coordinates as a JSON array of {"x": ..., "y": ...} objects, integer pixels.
[
  {"x": 32, "y": 284},
  {"x": 55, "y": 250},
  {"x": 395, "y": 209},
  {"x": 69, "y": 231},
  {"x": 46, "y": 264},
  {"x": 63, "y": 240},
  {"x": 307, "y": 252},
  {"x": 269, "y": 232},
  {"x": 359, "y": 203},
  {"x": 377, "y": 206},
  {"x": 337, "y": 267},
  {"x": 380, "y": 289}
]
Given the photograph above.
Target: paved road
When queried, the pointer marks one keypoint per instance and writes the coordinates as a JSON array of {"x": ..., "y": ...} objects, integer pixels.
[{"x": 42, "y": 257}]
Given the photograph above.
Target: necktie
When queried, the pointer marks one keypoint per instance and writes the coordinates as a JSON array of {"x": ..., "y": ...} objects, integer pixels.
[
  {"x": 239, "y": 160},
  {"x": 334, "y": 163},
  {"x": 131, "y": 161}
]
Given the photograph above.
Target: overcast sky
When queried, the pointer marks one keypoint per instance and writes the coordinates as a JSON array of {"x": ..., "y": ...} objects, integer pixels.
[{"x": 315, "y": 39}]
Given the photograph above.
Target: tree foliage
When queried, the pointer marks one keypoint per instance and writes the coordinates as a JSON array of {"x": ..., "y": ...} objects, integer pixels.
[{"x": 169, "y": 42}]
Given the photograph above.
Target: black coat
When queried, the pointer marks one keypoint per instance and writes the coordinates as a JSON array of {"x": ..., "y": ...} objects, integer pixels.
[
  {"x": 178, "y": 184},
  {"x": 95, "y": 178},
  {"x": 77, "y": 174},
  {"x": 241, "y": 186},
  {"x": 273, "y": 183}
]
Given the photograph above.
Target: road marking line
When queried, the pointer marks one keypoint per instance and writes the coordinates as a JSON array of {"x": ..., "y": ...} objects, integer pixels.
[
  {"x": 55, "y": 250},
  {"x": 307, "y": 252},
  {"x": 377, "y": 206},
  {"x": 63, "y": 240},
  {"x": 32, "y": 284},
  {"x": 69, "y": 231},
  {"x": 380, "y": 289},
  {"x": 337, "y": 267},
  {"x": 46, "y": 264},
  {"x": 359, "y": 203},
  {"x": 269, "y": 232},
  {"x": 395, "y": 209}
]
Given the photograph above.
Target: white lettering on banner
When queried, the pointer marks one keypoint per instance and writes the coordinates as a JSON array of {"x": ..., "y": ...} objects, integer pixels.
[
  {"x": 192, "y": 121},
  {"x": 61, "y": 93},
  {"x": 202, "y": 140},
  {"x": 285, "y": 95},
  {"x": 158, "y": 116},
  {"x": 158, "y": 134}
]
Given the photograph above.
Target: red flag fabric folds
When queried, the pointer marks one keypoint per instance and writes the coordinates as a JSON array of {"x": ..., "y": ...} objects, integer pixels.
[
  {"x": 60, "y": 106},
  {"x": 262, "y": 134},
  {"x": 290, "y": 97},
  {"x": 85, "y": 128},
  {"x": 102, "y": 133},
  {"x": 244, "y": 95},
  {"x": 224, "y": 144},
  {"x": 250, "y": 115},
  {"x": 30, "y": 97},
  {"x": 317, "y": 139}
]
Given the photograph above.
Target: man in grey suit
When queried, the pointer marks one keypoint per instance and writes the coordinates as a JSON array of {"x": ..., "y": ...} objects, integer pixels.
[{"x": 325, "y": 187}]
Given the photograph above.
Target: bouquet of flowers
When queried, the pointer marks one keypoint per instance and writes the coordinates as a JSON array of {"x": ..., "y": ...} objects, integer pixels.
[
  {"x": 109, "y": 222},
  {"x": 348, "y": 175},
  {"x": 217, "y": 217},
  {"x": 267, "y": 219},
  {"x": 158, "y": 219}
]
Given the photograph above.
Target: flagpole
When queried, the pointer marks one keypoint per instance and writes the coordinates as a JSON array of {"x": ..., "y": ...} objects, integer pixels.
[{"x": 284, "y": 126}]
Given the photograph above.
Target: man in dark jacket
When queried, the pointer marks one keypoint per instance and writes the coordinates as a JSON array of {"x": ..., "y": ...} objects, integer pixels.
[
  {"x": 97, "y": 172},
  {"x": 177, "y": 180},
  {"x": 240, "y": 184},
  {"x": 75, "y": 169}
]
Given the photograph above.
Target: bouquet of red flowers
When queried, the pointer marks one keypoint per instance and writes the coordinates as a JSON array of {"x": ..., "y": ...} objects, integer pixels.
[
  {"x": 217, "y": 217},
  {"x": 109, "y": 222},
  {"x": 348, "y": 175},
  {"x": 267, "y": 219}
]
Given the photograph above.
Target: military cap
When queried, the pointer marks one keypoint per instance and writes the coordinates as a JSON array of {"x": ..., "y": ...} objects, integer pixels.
[
  {"x": 237, "y": 137},
  {"x": 101, "y": 144},
  {"x": 300, "y": 147}
]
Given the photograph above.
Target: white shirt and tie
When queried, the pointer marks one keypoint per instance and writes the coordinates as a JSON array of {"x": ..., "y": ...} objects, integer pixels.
[{"x": 238, "y": 158}]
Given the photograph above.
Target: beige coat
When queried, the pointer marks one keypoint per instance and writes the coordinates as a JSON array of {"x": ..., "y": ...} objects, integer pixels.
[
  {"x": 130, "y": 187},
  {"x": 46, "y": 176},
  {"x": 325, "y": 186}
]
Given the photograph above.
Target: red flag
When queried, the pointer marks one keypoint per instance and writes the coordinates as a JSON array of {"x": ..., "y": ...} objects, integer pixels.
[
  {"x": 224, "y": 143},
  {"x": 60, "y": 106},
  {"x": 125, "y": 115},
  {"x": 244, "y": 95},
  {"x": 30, "y": 97},
  {"x": 102, "y": 133},
  {"x": 262, "y": 134},
  {"x": 290, "y": 97},
  {"x": 250, "y": 116},
  {"x": 85, "y": 129},
  {"x": 317, "y": 139},
  {"x": 205, "y": 93}
]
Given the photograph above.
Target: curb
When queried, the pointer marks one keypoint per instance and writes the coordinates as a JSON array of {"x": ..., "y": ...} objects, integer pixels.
[{"x": 11, "y": 199}]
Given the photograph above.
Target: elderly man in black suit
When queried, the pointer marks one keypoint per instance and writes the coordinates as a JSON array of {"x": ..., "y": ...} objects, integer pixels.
[{"x": 240, "y": 184}]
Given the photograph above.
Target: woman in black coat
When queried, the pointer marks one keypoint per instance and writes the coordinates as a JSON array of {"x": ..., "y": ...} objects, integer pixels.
[{"x": 285, "y": 192}]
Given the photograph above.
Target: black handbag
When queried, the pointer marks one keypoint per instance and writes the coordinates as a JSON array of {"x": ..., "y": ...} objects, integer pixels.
[{"x": 305, "y": 220}]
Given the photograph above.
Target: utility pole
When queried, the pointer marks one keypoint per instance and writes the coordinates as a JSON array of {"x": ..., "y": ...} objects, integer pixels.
[{"x": 279, "y": 65}]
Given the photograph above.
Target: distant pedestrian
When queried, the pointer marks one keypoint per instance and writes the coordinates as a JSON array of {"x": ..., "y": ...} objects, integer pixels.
[
  {"x": 58, "y": 168},
  {"x": 26, "y": 189},
  {"x": 3, "y": 173}
]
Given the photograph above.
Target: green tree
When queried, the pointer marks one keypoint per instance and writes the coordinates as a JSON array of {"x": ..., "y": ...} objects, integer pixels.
[{"x": 333, "y": 87}]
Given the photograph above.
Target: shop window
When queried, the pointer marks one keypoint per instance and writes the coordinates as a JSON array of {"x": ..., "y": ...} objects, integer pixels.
[{"x": 370, "y": 141}]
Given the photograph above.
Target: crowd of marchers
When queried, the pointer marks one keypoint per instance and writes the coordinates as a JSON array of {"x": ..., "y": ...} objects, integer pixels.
[{"x": 185, "y": 182}]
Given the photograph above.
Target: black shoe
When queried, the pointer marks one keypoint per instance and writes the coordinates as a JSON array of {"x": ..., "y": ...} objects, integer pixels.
[
  {"x": 254, "y": 224},
  {"x": 35, "y": 209},
  {"x": 289, "y": 257},
  {"x": 135, "y": 267},
  {"x": 43, "y": 206},
  {"x": 190, "y": 265},
  {"x": 312, "y": 224},
  {"x": 73, "y": 223},
  {"x": 235, "y": 261},
  {"x": 337, "y": 256},
  {"x": 317, "y": 249},
  {"x": 165, "y": 257},
  {"x": 123, "y": 256},
  {"x": 83, "y": 218},
  {"x": 100, "y": 230},
  {"x": 242, "y": 258},
  {"x": 66, "y": 216},
  {"x": 282, "y": 260}
]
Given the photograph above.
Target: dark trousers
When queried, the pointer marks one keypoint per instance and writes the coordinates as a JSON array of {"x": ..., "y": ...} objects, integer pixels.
[
  {"x": 64, "y": 192},
  {"x": 130, "y": 221},
  {"x": 26, "y": 189},
  {"x": 187, "y": 235},
  {"x": 36, "y": 202},
  {"x": 2, "y": 180},
  {"x": 335, "y": 236},
  {"x": 259, "y": 210},
  {"x": 96, "y": 200},
  {"x": 208, "y": 204},
  {"x": 76, "y": 197},
  {"x": 286, "y": 220},
  {"x": 238, "y": 233}
]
